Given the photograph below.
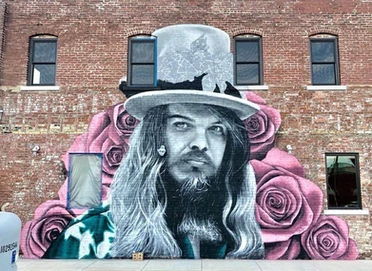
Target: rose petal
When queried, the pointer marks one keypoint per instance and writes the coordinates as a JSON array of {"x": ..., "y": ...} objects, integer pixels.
[
  {"x": 278, "y": 158},
  {"x": 351, "y": 252},
  {"x": 252, "y": 97},
  {"x": 287, "y": 250},
  {"x": 98, "y": 123}
]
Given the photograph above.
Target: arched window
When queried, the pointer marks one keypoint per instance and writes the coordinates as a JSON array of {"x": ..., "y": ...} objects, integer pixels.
[
  {"x": 248, "y": 60},
  {"x": 42, "y": 60},
  {"x": 142, "y": 61},
  {"x": 324, "y": 60}
]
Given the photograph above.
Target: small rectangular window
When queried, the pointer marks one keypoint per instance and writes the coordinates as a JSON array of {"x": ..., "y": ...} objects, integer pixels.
[
  {"x": 248, "y": 61},
  {"x": 142, "y": 62},
  {"x": 324, "y": 61},
  {"x": 84, "y": 181},
  {"x": 43, "y": 57},
  {"x": 343, "y": 183}
]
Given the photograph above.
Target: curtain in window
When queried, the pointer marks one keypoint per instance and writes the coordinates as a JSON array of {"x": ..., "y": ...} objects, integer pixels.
[{"x": 85, "y": 181}]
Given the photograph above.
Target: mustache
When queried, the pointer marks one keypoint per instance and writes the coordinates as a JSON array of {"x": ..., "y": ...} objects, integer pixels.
[{"x": 196, "y": 155}]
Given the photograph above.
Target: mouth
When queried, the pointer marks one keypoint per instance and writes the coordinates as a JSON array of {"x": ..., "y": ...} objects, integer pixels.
[
  {"x": 196, "y": 162},
  {"x": 192, "y": 165}
]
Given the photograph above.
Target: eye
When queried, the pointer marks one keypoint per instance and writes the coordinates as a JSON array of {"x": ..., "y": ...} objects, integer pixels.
[
  {"x": 218, "y": 130},
  {"x": 181, "y": 125}
]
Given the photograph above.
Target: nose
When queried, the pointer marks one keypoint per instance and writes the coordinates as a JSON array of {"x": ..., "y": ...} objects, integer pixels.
[{"x": 199, "y": 141}]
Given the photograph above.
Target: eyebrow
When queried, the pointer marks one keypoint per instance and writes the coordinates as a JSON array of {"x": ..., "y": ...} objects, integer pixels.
[
  {"x": 188, "y": 118},
  {"x": 179, "y": 116}
]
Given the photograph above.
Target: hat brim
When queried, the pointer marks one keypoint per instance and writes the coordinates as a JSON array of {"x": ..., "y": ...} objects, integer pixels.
[{"x": 138, "y": 105}]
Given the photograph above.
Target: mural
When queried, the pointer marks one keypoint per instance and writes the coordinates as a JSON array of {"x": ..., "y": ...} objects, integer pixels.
[
  {"x": 191, "y": 173},
  {"x": 185, "y": 51}
]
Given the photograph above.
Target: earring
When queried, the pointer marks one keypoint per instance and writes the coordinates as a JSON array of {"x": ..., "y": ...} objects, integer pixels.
[{"x": 162, "y": 150}]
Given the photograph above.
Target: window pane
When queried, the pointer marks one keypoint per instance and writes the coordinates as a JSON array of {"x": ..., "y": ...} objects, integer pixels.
[
  {"x": 324, "y": 74},
  {"x": 45, "y": 52},
  {"x": 342, "y": 182},
  {"x": 142, "y": 52},
  {"x": 247, "y": 51},
  {"x": 143, "y": 74},
  {"x": 44, "y": 74},
  {"x": 322, "y": 51},
  {"x": 84, "y": 181},
  {"x": 247, "y": 74}
]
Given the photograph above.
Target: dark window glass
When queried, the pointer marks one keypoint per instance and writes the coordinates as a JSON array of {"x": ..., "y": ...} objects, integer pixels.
[
  {"x": 44, "y": 74},
  {"x": 45, "y": 52},
  {"x": 142, "y": 64},
  {"x": 343, "y": 184},
  {"x": 324, "y": 61},
  {"x": 143, "y": 74},
  {"x": 323, "y": 51},
  {"x": 247, "y": 51},
  {"x": 43, "y": 55},
  {"x": 142, "y": 52},
  {"x": 248, "y": 61},
  {"x": 324, "y": 74},
  {"x": 247, "y": 74}
]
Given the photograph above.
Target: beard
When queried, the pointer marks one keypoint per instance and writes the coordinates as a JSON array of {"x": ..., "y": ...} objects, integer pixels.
[
  {"x": 195, "y": 207},
  {"x": 193, "y": 164}
]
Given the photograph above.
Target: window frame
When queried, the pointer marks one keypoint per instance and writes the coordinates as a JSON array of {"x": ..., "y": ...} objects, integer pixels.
[
  {"x": 141, "y": 39},
  {"x": 30, "y": 74},
  {"x": 357, "y": 180},
  {"x": 249, "y": 38},
  {"x": 336, "y": 63},
  {"x": 100, "y": 155}
]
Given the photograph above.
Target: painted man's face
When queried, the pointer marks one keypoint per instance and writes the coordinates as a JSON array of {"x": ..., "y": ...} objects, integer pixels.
[{"x": 195, "y": 141}]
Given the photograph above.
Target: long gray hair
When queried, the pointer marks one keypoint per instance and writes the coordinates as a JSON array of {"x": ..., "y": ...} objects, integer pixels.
[{"x": 138, "y": 203}]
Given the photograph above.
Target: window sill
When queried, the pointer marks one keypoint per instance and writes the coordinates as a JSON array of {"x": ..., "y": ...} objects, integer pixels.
[
  {"x": 252, "y": 87},
  {"x": 326, "y": 87},
  {"x": 41, "y": 88},
  {"x": 346, "y": 212}
]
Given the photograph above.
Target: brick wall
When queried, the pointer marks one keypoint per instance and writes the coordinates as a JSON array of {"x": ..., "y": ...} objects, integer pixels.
[
  {"x": 92, "y": 57},
  {"x": 2, "y": 29}
]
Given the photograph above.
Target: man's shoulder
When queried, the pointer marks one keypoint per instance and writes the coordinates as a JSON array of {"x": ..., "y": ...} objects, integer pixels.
[{"x": 89, "y": 235}]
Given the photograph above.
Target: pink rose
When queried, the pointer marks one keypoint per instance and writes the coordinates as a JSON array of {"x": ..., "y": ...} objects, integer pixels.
[
  {"x": 328, "y": 239},
  {"x": 105, "y": 139},
  {"x": 50, "y": 219},
  {"x": 124, "y": 123},
  {"x": 286, "y": 250},
  {"x": 286, "y": 203},
  {"x": 112, "y": 146},
  {"x": 261, "y": 127}
]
